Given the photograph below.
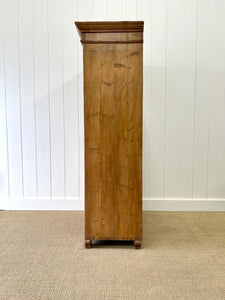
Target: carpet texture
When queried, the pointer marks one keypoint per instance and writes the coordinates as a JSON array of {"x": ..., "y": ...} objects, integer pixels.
[{"x": 42, "y": 256}]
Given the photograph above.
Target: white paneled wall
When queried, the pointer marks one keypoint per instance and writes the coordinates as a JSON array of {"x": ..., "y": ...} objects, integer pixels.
[{"x": 41, "y": 102}]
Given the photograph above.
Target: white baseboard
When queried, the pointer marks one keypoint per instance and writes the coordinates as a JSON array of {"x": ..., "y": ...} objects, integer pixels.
[
  {"x": 78, "y": 204},
  {"x": 184, "y": 205},
  {"x": 42, "y": 204}
]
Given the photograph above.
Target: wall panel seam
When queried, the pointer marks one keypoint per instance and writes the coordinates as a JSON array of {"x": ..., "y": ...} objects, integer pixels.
[
  {"x": 165, "y": 99},
  {"x": 63, "y": 96},
  {"x": 49, "y": 105},
  {"x": 6, "y": 119},
  {"x": 20, "y": 100},
  {"x": 35, "y": 112},
  {"x": 195, "y": 98}
]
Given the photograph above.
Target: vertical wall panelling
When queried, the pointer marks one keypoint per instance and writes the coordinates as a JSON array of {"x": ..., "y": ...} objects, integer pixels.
[
  {"x": 216, "y": 161},
  {"x": 26, "y": 74},
  {"x": 41, "y": 87},
  {"x": 56, "y": 87},
  {"x": 173, "y": 99},
  {"x": 71, "y": 118},
  {"x": 13, "y": 101},
  {"x": 114, "y": 10},
  {"x": 129, "y": 10},
  {"x": 155, "y": 150},
  {"x": 100, "y": 8},
  {"x": 41, "y": 101},
  {"x": 85, "y": 12},
  {"x": 140, "y": 9},
  {"x": 203, "y": 98},
  {"x": 145, "y": 13},
  {"x": 188, "y": 44},
  {"x": 4, "y": 175}
]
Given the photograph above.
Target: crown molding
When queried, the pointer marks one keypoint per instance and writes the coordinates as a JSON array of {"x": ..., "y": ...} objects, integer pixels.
[{"x": 120, "y": 26}]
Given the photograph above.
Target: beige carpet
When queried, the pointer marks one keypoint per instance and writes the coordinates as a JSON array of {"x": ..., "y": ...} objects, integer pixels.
[{"x": 42, "y": 256}]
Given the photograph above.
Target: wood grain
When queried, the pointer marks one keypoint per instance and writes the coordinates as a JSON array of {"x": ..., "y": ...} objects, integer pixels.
[
  {"x": 113, "y": 135},
  {"x": 121, "y": 142},
  {"x": 134, "y": 130},
  {"x": 92, "y": 79},
  {"x": 107, "y": 142}
]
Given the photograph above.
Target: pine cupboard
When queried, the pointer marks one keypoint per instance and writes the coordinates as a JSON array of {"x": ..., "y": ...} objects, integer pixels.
[{"x": 113, "y": 84}]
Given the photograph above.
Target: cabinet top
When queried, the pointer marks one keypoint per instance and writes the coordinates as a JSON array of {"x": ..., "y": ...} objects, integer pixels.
[{"x": 119, "y": 26}]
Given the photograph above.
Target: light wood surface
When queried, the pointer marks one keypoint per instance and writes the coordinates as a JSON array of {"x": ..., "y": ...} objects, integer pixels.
[{"x": 113, "y": 67}]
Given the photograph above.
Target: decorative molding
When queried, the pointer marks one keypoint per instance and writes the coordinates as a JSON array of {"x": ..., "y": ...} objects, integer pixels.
[
  {"x": 112, "y": 42},
  {"x": 120, "y": 26}
]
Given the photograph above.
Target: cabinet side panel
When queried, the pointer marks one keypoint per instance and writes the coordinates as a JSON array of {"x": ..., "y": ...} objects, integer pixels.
[
  {"x": 98, "y": 118},
  {"x": 128, "y": 142},
  {"x": 122, "y": 221},
  {"x": 135, "y": 85},
  {"x": 107, "y": 143},
  {"x": 92, "y": 140}
]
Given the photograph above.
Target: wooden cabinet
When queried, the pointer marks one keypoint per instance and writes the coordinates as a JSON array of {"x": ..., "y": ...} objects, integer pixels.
[{"x": 113, "y": 81}]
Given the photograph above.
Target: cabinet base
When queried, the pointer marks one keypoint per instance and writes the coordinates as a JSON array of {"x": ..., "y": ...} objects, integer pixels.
[
  {"x": 88, "y": 244},
  {"x": 136, "y": 243}
]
